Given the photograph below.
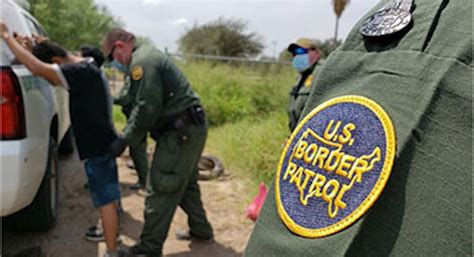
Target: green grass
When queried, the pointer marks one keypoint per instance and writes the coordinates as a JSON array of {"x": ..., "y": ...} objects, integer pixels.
[
  {"x": 250, "y": 147},
  {"x": 119, "y": 118},
  {"x": 230, "y": 93}
]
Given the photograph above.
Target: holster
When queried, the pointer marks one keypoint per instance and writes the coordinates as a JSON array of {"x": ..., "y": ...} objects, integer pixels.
[
  {"x": 197, "y": 115},
  {"x": 193, "y": 115}
]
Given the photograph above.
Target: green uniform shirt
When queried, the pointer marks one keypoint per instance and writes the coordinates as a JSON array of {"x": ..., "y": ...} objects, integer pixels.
[
  {"x": 159, "y": 91},
  {"x": 299, "y": 94},
  {"x": 422, "y": 79}
]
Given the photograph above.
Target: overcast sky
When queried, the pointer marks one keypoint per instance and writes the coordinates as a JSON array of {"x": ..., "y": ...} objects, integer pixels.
[{"x": 277, "y": 22}]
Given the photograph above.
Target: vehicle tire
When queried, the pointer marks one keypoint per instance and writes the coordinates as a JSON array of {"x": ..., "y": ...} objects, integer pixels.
[
  {"x": 67, "y": 144},
  {"x": 209, "y": 167},
  {"x": 41, "y": 214}
]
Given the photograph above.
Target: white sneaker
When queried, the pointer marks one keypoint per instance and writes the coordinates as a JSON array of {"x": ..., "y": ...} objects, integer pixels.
[{"x": 118, "y": 253}]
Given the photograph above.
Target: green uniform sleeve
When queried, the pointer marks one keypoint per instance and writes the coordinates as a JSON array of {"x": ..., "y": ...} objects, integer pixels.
[
  {"x": 148, "y": 102},
  {"x": 297, "y": 103}
]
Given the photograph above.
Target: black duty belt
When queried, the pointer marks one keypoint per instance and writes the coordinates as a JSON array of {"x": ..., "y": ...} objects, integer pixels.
[{"x": 192, "y": 115}]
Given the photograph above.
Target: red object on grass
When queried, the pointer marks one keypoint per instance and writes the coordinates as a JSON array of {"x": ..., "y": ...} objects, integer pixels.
[{"x": 253, "y": 210}]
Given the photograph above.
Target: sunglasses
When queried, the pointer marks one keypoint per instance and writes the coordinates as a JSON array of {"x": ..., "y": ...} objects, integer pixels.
[
  {"x": 300, "y": 50},
  {"x": 110, "y": 57}
]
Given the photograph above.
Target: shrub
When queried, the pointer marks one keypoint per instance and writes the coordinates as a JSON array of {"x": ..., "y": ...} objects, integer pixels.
[
  {"x": 250, "y": 147},
  {"x": 231, "y": 93}
]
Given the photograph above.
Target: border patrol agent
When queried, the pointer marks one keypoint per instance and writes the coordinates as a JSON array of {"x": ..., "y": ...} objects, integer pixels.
[
  {"x": 139, "y": 155},
  {"x": 380, "y": 163},
  {"x": 165, "y": 106},
  {"x": 305, "y": 59}
]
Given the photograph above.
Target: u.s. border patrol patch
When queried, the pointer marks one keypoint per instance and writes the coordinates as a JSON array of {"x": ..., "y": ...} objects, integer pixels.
[{"x": 334, "y": 166}]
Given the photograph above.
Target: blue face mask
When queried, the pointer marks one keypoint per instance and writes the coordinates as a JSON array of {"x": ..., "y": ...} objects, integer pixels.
[
  {"x": 120, "y": 67},
  {"x": 301, "y": 62}
]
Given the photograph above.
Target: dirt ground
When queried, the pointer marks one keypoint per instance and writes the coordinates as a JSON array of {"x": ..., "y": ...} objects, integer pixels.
[{"x": 222, "y": 199}]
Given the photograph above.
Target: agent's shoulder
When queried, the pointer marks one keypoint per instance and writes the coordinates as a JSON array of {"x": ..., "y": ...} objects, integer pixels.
[{"x": 147, "y": 51}]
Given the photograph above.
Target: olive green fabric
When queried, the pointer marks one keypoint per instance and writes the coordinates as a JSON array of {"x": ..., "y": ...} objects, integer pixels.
[
  {"x": 137, "y": 152},
  {"x": 172, "y": 182},
  {"x": 299, "y": 95},
  {"x": 160, "y": 93},
  {"x": 140, "y": 160},
  {"x": 422, "y": 78}
]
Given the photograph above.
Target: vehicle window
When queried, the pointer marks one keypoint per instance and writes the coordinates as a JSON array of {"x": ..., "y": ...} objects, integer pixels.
[
  {"x": 16, "y": 23},
  {"x": 32, "y": 26},
  {"x": 40, "y": 30}
]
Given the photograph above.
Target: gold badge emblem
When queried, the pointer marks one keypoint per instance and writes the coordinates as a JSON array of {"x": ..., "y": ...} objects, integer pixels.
[
  {"x": 308, "y": 81},
  {"x": 137, "y": 72}
]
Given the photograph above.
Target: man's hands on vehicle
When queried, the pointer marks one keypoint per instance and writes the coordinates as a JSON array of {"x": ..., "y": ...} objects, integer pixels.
[{"x": 4, "y": 30}]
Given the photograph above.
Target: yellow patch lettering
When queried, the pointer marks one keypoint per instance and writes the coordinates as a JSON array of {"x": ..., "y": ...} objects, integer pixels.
[
  {"x": 345, "y": 163},
  {"x": 334, "y": 158},
  {"x": 299, "y": 152},
  {"x": 338, "y": 201},
  {"x": 347, "y": 133},
  {"x": 330, "y": 135},
  {"x": 309, "y": 174},
  {"x": 310, "y": 153},
  {"x": 322, "y": 154},
  {"x": 296, "y": 177},
  {"x": 317, "y": 185},
  {"x": 329, "y": 196},
  {"x": 290, "y": 170}
]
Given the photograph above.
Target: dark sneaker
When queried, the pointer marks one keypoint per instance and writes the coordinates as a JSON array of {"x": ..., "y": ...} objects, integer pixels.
[
  {"x": 96, "y": 234},
  {"x": 186, "y": 235},
  {"x": 135, "y": 251}
]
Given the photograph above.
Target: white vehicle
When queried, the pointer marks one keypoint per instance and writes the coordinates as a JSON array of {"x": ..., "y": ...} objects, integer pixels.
[{"x": 34, "y": 119}]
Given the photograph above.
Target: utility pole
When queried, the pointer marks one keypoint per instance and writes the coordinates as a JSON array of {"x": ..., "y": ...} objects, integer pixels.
[{"x": 274, "y": 42}]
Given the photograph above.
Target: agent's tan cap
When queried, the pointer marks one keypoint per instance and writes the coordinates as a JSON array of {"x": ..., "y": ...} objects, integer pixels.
[{"x": 303, "y": 42}]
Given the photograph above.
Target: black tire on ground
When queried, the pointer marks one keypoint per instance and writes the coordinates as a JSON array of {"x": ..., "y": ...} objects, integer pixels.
[
  {"x": 41, "y": 214},
  {"x": 209, "y": 167},
  {"x": 67, "y": 144}
]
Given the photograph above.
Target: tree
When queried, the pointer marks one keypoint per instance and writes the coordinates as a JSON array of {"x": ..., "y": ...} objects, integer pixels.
[
  {"x": 224, "y": 37},
  {"x": 72, "y": 23},
  {"x": 144, "y": 40},
  {"x": 339, "y": 6},
  {"x": 327, "y": 46}
]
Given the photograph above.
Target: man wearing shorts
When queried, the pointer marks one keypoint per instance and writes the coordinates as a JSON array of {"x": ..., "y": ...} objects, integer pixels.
[{"x": 91, "y": 120}]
